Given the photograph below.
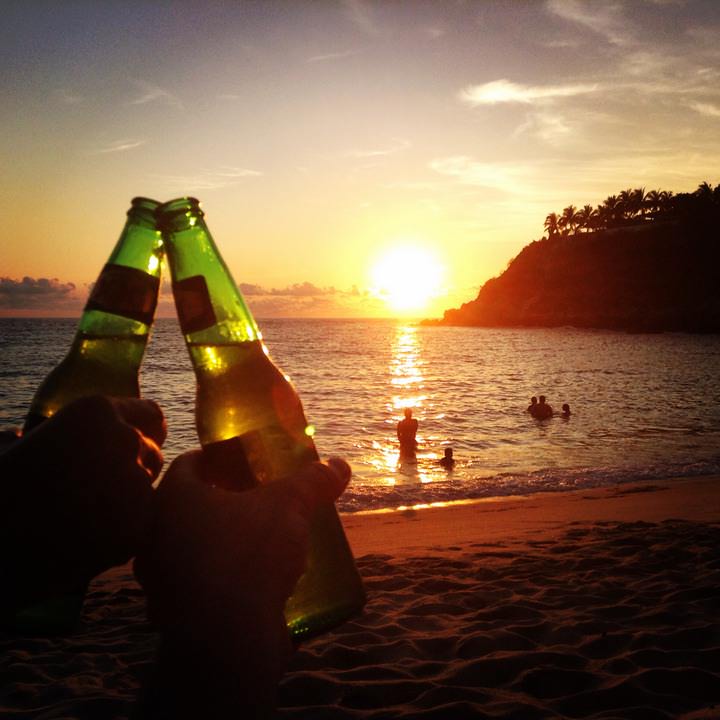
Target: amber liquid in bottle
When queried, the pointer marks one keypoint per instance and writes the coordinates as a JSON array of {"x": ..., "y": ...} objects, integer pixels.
[
  {"x": 104, "y": 359},
  {"x": 249, "y": 416}
]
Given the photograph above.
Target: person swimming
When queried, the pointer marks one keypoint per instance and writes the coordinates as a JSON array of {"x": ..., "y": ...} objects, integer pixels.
[
  {"x": 542, "y": 410},
  {"x": 565, "y": 411},
  {"x": 533, "y": 405},
  {"x": 447, "y": 461}
]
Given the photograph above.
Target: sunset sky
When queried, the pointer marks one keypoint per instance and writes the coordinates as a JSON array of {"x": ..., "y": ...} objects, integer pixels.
[{"x": 323, "y": 137}]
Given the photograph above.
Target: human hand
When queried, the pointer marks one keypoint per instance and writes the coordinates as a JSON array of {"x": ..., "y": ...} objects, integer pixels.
[
  {"x": 77, "y": 493},
  {"x": 217, "y": 576},
  {"x": 8, "y": 438}
]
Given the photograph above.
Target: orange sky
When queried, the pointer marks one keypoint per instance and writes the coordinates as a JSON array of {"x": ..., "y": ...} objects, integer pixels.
[{"x": 320, "y": 136}]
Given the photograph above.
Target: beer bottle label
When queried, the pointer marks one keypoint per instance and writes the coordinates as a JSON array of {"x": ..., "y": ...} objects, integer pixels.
[
  {"x": 227, "y": 465},
  {"x": 125, "y": 291},
  {"x": 194, "y": 307}
]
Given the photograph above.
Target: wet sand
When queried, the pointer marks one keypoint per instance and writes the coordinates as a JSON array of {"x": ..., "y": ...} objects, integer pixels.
[{"x": 601, "y": 603}]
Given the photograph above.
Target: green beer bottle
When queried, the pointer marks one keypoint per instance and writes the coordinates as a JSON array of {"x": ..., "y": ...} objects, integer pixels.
[
  {"x": 248, "y": 414},
  {"x": 104, "y": 359},
  {"x": 105, "y": 356}
]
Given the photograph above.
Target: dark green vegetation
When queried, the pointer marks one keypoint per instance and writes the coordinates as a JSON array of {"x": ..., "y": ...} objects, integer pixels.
[{"x": 643, "y": 262}]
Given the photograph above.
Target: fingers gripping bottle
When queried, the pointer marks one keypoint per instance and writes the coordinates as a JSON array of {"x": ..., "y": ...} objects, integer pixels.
[
  {"x": 104, "y": 358},
  {"x": 248, "y": 411},
  {"x": 105, "y": 355}
]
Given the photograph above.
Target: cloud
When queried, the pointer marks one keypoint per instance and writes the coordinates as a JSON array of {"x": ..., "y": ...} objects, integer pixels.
[
  {"x": 36, "y": 293},
  {"x": 360, "y": 14},
  {"x": 150, "y": 93},
  {"x": 551, "y": 128},
  {"x": 398, "y": 145},
  {"x": 706, "y": 109},
  {"x": 121, "y": 146},
  {"x": 303, "y": 299},
  {"x": 504, "y": 91},
  {"x": 604, "y": 18},
  {"x": 562, "y": 43},
  {"x": 249, "y": 289},
  {"x": 332, "y": 56},
  {"x": 304, "y": 289},
  {"x": 308, "y": 300},
  {"x": 503, "y": 176},
  {"x": 208, "y": 179}
]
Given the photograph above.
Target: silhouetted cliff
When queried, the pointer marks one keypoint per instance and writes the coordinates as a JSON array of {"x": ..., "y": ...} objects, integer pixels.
[{"x": 654, "y": 275}]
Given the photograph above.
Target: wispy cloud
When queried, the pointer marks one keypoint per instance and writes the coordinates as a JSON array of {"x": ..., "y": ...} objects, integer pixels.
[
  {"x": 707, "y": 109},
  {"x": 552, "y": 128},
  {"x": 561, "y": 43},
  {"x": 304, "y": 289},
  {"x": 150, "y": 93},
  {"x": 332, "y": 56},
  {"x": 361, "y": 15},
  {"x": 121, "y": 146},
  {"x": 508, "y": 177},
  {"x": 35, "y": 293},
  {"x": 604, "y": 18},
  {"x": 397, "y": 146},
  {"x": 306, "y": 299},
  {"x": 208, "y": 179},
  {"x": 504, "y": 91},
  {"x": 228, "y": 96},
  {"x": 236, "y": 172}
]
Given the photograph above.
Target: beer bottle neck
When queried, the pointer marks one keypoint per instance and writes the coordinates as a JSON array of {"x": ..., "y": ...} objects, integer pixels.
[
  {"x": 210, "y": 307},
  {"x": 123, "y": 300}
]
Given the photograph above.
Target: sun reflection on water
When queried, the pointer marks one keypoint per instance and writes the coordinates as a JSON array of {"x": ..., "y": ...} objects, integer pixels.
[
  {"x": 405, "y": 369},
  {"x": 408, "y": 391}
]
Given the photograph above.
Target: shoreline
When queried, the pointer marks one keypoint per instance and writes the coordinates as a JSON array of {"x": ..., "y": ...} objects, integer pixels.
[{"x": 414, "y": 529}]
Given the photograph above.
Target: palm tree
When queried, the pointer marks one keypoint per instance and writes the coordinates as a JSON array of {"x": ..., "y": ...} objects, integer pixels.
[
  {"x": 638, "y": 201},
  {"x": 666, "y": 201},
  {"x": 625, "y": 203},
  {"x": 653, "y": 200},
  {"x": 602, "y": 217},
  {"x": 568, "y": 219},
  {"x": 585, "y": 217},
  {"x": 552, "y": 225},
  {"x": 704, "y": 191},
  {"x": 612, "y": 209}
]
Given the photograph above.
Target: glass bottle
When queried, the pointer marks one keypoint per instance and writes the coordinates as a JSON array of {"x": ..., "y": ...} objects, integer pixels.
[
  {"x": 105, "y": 356},
  {"x": 247, "y": 412},
  {"x": 104, "y": 359}
]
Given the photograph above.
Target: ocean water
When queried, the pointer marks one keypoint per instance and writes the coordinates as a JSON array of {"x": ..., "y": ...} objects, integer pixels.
[{"x": 644, "y": 406}]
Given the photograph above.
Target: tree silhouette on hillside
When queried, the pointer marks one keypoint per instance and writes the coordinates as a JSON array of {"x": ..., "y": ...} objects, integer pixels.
[
  {"x": 633, "y": 206},
  {"x": 641, "y": 261}
]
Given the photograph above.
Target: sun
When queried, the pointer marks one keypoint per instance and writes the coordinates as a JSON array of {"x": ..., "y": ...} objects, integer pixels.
[{"x": 407, "y": 278}]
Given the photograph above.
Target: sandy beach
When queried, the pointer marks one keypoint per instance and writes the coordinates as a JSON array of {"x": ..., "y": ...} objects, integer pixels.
[{"x": 587, "y": 604}]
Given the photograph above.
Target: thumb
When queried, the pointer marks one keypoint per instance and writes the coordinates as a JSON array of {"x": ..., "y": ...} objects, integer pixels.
[
  {"x": 317, "y": 485},
  {"x": 185, "y": 469}
]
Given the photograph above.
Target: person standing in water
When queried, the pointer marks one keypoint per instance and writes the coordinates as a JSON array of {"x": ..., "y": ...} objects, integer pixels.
[
  {"x": 406, "y": 431},
  {"x": 543, "y": 410}
]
